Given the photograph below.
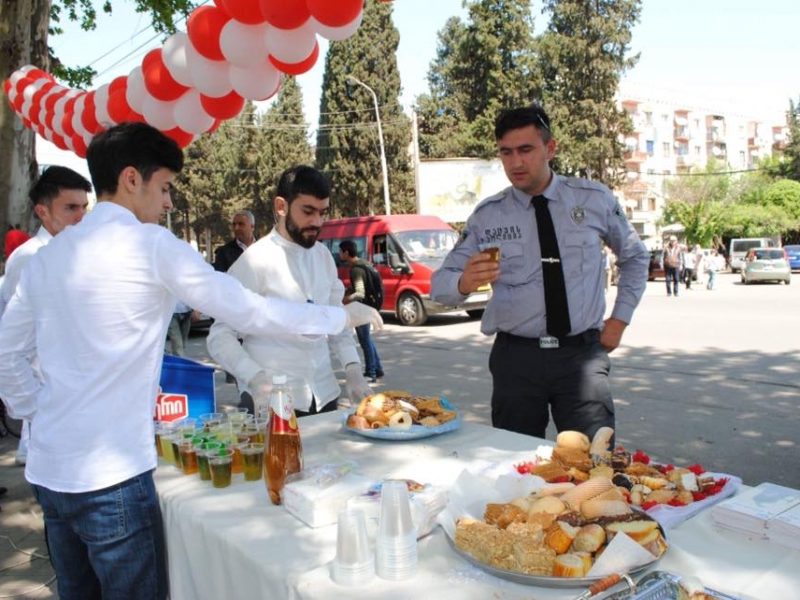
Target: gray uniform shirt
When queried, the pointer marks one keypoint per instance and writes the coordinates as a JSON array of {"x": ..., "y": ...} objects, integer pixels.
[{"x": 584, "y": 213}]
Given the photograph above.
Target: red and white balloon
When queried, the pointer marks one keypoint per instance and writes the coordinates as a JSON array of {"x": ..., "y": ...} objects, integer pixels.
[{"x": 232, "y": 51}]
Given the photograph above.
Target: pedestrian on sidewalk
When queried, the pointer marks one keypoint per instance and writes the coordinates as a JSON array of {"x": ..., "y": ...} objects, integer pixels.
[{"x": 672, "y": 259}]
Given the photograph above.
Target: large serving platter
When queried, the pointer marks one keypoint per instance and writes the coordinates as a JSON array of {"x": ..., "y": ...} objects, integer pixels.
[
  {"x": 540, "y": 580},
  {"x": 415, "y": 432}
]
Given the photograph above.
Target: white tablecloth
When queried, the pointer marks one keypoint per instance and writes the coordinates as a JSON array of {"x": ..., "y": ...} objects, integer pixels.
[{"x": 233, "y": 543}]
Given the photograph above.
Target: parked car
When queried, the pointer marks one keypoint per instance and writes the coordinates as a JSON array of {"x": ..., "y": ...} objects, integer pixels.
[
  {"x": 741, "y": 246},
  {"x": 656, "y": 268},
  {"x": 793, "y": 252},
  {"x": 766, "y": 264}
]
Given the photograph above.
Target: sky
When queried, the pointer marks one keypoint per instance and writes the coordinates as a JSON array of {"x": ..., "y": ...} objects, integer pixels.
[{"x": 721, "y": 54}]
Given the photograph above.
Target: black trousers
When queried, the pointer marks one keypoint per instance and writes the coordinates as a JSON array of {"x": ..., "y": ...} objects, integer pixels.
[{"x": 530, "y": 382}]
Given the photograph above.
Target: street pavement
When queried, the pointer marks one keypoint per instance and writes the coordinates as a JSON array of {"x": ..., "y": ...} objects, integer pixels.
[{"x": 708, "y": 377}]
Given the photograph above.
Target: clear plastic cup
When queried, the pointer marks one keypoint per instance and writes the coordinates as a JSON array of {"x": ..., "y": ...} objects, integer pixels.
[
  {"x": 219, "y": 463},
  {"x": 354, "y": 563},
  {"x": 396, "y": 541}
]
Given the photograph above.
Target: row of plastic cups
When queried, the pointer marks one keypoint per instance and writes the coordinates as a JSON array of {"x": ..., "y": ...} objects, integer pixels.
[{"x": 395, "y": 545}]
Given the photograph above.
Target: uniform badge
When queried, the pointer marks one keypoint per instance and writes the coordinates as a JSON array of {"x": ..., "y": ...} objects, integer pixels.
[
  {"x": 578, "y": 214},
  {"x": 619, "y": 213}
]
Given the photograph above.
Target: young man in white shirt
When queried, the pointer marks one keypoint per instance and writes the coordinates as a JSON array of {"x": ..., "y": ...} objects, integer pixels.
[
  {"x": 94, "y": 305},
  {"x": 59, "y": 199},
  {"x": 289, "y": 263}
]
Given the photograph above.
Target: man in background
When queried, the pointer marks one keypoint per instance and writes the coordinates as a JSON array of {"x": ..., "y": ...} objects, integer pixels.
[
  {"x": 244, "y": 224},
  {"x": 289, "y": 263},
  {"x": 359, "y": 283},
  {"x": 672, "y": 259},
  {"x": 59, "y": 199}
]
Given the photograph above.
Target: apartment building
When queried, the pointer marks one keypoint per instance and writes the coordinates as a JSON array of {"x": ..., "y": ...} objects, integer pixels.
[{"x": 671, "y": 138}]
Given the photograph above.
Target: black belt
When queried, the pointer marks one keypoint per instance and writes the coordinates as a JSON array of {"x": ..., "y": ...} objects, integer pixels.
[{"x": 590, "y": 336}]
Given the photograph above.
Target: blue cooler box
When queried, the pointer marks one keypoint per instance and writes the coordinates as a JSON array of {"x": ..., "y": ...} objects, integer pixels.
[{"x": 186, "y": 389}]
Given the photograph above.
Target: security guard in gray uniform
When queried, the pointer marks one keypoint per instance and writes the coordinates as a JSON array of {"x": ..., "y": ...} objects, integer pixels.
[{"x": 550, "y": 353}]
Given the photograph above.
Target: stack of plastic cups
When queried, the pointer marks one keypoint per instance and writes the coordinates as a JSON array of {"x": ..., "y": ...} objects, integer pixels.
[
  {"x": 396, "y": 542},
  {"x": 354, "y": 563}
]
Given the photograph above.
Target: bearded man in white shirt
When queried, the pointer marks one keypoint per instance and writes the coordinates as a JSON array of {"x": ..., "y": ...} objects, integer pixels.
[
  {"x": 289, "y": 263},
  {"x": 59, "y": 198},
  {"x": 94, "y": 305}
]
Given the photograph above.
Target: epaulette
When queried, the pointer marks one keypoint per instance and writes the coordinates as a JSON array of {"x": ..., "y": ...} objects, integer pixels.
[
  {"x": 585, "y": 184},
  {"x": 491, "y": 199}
]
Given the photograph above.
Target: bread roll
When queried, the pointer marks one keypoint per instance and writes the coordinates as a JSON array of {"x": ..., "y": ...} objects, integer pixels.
[
  {"x": 569, "y": 565},
  {"x": 593, "y": 508},
  {"x": 586, "y": 490},
  {"x": 357, "y": 422},
  {"x": 589, "y": 538},
  {"x": 548, "y": 504},
  {"x": 573, "y": 439},
  {"x": 636, "y": 530}
]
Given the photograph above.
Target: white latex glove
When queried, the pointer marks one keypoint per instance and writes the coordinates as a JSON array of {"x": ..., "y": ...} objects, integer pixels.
[
  {"x": 260, "y": 388},
  {"x": 361, "y": 314},
  {"x": 356, "y": 387}
]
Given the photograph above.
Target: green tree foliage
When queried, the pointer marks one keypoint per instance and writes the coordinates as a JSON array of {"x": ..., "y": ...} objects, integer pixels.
[
  {"x": 699, "y": 203},
  {"x": 481, "y": 66},
  {"x": 582, "y": 55},
  {"x": 790, "y": 167},
  {"x": 348, "y": 149}
]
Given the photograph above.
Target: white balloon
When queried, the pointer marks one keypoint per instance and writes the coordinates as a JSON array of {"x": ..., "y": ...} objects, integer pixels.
[
  {"x": 87, "y": 138},
  {"x": 291, "y": 45},
  {"x": 189, "y": 113},
  {"x": 77, "y": 113},
  {"x": 174, "y": 55},
  {"x": 210, "y": 76},
  {"x": 68, "y": 142},
  {"x": 158, "y": 113},
  {"x": 135, "y": 91},
  {"x": 58, "y": 113},
  {"x": 256, "y": 83},
  {"x": 244, "y": 45},
  {"x": 337, "y": 34},
  {"x": 101, "y": 107}
]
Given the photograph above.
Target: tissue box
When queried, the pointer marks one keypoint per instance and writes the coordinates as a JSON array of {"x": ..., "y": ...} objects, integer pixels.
[
  {"x": 316, "y": 495},
  {"x": 427, "y": 501}
]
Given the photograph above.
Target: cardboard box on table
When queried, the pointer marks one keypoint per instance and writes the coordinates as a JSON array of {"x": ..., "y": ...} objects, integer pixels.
[{"x": 186, "y": 389}]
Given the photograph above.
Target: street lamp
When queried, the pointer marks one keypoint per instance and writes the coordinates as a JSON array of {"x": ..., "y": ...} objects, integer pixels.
[{"x": 387, "y": 207}]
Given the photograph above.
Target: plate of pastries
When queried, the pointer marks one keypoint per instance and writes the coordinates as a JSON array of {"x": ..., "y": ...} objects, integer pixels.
[{"x": 400, "y": 415}]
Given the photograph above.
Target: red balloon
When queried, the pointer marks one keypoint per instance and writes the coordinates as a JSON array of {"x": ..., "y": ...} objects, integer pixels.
[
  {"x": 204, "y": 28},
  {"x": 59, "y": 141},
  {"x": 117, "y": 83},
  {"x": 135, "y": 116},
  {"x": 36, "y": 99},
  {"x": 159, "y": 82},
  {"x": 153, "y": 56},
  {"x": 22, "y": 83},
  {"x": 66, "y": 123},
  {"x": 39, "y": 74},
  {"x": 26, "y": 122},
  {"x": 51, "y": 99},
  {"x": 225, "y": 107},
  {"x": 6, "y": 86},
  {"x": 286, "y": 14},
  {"x": 88, "y": 118},
  {"x": 334, "y": 14},
  {"x": 244, "y": 12},
  {"x": 80, "y": 145},
  {"x": 40, "y": 129},
  {"x": 179, "y": 135},
  {"x": 118, "y": 108},
  {"x": 298, "y": 67}
]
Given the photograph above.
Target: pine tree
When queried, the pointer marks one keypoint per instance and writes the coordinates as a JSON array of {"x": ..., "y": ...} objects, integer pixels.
[
  {"x": 481, "y": 67},
  {"x": 348, "y": 148},
  {"x": 583, "y": 54}
]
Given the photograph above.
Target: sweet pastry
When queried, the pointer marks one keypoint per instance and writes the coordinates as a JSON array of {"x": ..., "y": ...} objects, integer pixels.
[
  {"x": 357, "y": 422},
  {"x": 549, "y": 471},
  {"x": 559, "y": 537},
  {"x": 554, "y": 489},
  {"x": 569, "y": 565},
  {"x": 572, "y": 457},
  {"x": 586, "y": 490},
  {"x": 548, "y": 504},
  {"x": 400, "y": 419},
  {"x": 589, "y": 538},
  {"x": 636, "y": 530},
  {"x": 593, "y": 508},
  {"x": 502, "y": 515},
  {"x": 601, "y": 442},
  {"x": 573, "y": 439}
]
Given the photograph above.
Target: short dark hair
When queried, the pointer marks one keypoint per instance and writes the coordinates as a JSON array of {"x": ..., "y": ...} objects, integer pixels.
[
  {"x": 349, "y": 248},
  {"x": 131, "y": 144},
  {"x": 53, "y": 180},
  {"x": 303, "y": 179},
  {"x": 516, "y": 118}
]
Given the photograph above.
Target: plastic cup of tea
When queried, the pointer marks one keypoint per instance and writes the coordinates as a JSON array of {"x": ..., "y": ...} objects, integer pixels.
[
  {"x": 188, "y": 456},
  {"x": 492, "y": 249},
  {"x": 209, "y": 420},
  {"x": 219, "y": 463},
  {"x": 396, "y": 541},
  {"x": 203, "y": 450},
  {"x": 252, "y": 461},
  {"x": 354, "y": 563}
]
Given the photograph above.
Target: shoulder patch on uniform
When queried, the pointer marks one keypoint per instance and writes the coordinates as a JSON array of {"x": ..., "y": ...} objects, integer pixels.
[
  {"x": 619, "y": 213},
  {"x": 491, "y": 199},
  {"x": 585, "y": 184}
]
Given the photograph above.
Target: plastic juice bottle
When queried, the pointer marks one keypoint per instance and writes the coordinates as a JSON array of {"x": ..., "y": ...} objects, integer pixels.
[{"x": 283, "y": 453}]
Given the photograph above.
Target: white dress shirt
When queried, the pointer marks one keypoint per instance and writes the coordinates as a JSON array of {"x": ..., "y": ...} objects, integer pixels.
[
  {"x": 17, "y": 261},
  {"x": 277, "y": 267},
  {"x": 94, "y": 304}
]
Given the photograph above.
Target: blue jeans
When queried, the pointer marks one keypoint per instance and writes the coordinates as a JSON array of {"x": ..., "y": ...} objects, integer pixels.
[
  {"x": 107, "y": 544},
  {"x": 371, "y": 360},
  {"x": 712, "y": 275},
  {"x": 672, "y": 274}
]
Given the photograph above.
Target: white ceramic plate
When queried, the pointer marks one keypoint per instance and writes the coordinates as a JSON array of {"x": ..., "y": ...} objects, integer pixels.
[{"x": 414, "y": 432}]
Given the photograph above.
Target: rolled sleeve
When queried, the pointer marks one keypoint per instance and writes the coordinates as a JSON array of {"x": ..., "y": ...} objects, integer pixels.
[{"x": 19, "y": 385}]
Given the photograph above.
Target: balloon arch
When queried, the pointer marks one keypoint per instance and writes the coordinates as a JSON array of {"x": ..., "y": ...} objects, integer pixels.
[{"x": 232, "y": 51}]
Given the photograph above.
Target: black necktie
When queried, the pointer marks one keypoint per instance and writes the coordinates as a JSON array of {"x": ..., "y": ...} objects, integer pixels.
[{"x": 555, "y": 292}]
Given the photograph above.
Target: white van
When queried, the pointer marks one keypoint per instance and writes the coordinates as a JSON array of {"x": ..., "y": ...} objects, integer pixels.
[{"x": 740, "y": 246}]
